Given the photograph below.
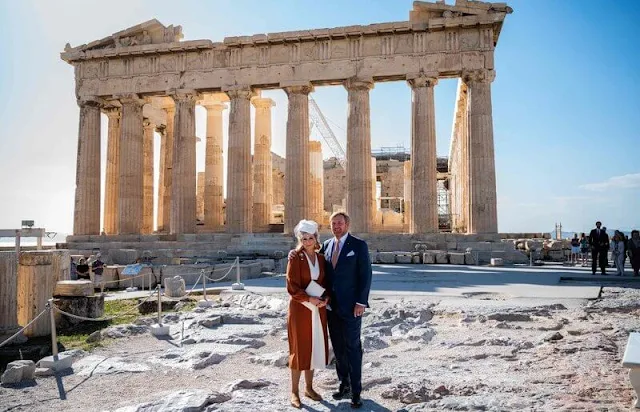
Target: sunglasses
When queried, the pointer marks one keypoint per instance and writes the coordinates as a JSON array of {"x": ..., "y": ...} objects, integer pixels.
[{"x": 304, "y": 239}]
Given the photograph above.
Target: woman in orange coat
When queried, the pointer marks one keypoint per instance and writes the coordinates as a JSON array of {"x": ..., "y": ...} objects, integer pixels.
[{"x": 307, "y": 320}]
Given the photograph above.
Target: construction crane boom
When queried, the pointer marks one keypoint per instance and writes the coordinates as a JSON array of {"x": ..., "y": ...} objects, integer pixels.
[{"x": 317, "y": 119}]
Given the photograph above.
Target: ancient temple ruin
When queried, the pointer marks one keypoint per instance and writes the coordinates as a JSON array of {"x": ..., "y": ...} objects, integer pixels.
[{"x": 146, "y": 79}]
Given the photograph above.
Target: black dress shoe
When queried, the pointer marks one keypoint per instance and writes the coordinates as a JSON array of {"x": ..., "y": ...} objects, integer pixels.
[
  {"x": 356, "y": 402},
  {"x": 343, "y": 392}
]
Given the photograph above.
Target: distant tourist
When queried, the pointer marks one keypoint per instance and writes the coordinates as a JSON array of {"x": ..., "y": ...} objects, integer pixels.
[
  {"x": 575, "y": 249},
  {"x": 97, "y": 267},
  {"x": 83, "y": 269},
  {"x": 307, "y": 319},
  {"x": 599, "y": 242},
  {"x": 633, "y": 251},
  {"x": 73, "y": 272},
  {"x": 617, "y": 252},
  {"x": 584, "y": 248}
]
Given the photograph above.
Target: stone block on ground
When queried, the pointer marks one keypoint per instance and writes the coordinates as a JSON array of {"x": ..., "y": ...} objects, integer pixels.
[
  {"x": 17, "y": 371},
  {"x": 190, "y": 273},
  {"x": 373, "y": 257},
  {"x": 403, "y": 257},
  {"x": 415, "y": 258},
  {"x": 73, "y": 288},
  {"x": 429, "y": 257},
  {"x": 268, "y": 265},
  {"x": 516, "y": 256},
  {"x": 250, "y": 270},
  {"x": 151, "y": 305},
  {"x": 110, "y": 277},
  {"x": 442, "y": 256},
  {"x": 386, "y": 257},
  {"x": 497, "y": 262},
  {"x": 470, "y": 259},
  {"x": 457, "y": 258},
  {"x": 86, "y": 306},
  {"x": 174, "y": 287},
  {"x": 123, "y": 256},
  {"x": 63, "y": 362}
]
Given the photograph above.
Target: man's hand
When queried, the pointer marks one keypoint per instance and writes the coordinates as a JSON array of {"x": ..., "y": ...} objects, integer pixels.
[
  {"x": 358, "y": 310},
  {"x": 292, "y": 254},
  {"x": 317, "y": 302}
]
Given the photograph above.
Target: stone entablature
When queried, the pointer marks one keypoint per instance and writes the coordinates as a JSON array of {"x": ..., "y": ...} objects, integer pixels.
[{"x": 429, "y": 42}]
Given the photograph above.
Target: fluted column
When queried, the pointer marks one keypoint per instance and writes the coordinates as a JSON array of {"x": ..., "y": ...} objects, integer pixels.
[
  {"x": 162, "y": 131},
  {"x": 86, "y": 214},
  {"x": 359, "y": 156},
  {"x": 262, "y": 169},
  {"x": 147, "y": 177},
  {"x": 297, "y": 176},
  {"x": 407, "y": 194},
  {"x": 111, "y": 184},
  {"x": 214, "y": 168},
  {"x": 239, "y": 199},
  {"x": 165, "y": 176},
  {"x": 317, "y": 181},
  {"x": 424, "y": 204},
  {"x": 483, "y": 215},
  {"x": 183, "y": 187},
  {"x": 130, "y": 176}
]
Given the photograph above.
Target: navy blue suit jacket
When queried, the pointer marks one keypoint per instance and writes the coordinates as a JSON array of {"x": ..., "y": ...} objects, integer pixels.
[{"x": 350, "y": 281}]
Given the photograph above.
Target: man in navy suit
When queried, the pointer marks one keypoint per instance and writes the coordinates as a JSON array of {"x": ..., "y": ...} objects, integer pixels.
[
  {"x": 348, "y": 271},
  {"x": 599, "y": 241}
]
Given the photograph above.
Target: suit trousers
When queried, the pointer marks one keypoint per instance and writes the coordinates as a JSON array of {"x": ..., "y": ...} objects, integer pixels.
[
  {"x": 347, "y": 347},
  {"x": 599, "y": 257}
]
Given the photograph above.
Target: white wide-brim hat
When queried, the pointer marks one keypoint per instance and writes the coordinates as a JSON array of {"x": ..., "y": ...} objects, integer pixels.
[{"x": 306, "y": 226}]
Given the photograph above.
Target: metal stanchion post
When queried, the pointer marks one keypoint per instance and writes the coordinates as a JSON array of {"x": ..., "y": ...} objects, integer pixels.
[
  {"x": 56, "y": 362},
  {"x": 159, "y": 308},
  {"x": 54, "y": 336},
  {"x": 238, "y": 285},
  {"x": 204, "y": 303},
  {"x": 159, "y": 329}
]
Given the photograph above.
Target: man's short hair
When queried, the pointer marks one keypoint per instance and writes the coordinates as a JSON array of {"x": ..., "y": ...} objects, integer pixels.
[
  {"x": 346, "y": 217},
  {"x": 598, "y": 223}
]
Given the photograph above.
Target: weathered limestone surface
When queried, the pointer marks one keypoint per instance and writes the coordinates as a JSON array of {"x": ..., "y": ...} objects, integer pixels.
[
  {"x": 183, "y": 188},
  {"x": 239, "y": 200},
  {"x": 61, "y": 264},
  {"x": 200, "y": 182},
  {"x": 86, "y": 217},
  {"x": 316, "y": 167},
  {"x": 111, "y": 185},
  {"x": 359, "y": 184},
  {"x": 297, "y": 178},
  {"x": 407, "y": 193},
  {"x": 36, "y": 282},
  {"x": 214, "y": 168},
  {"x": 130, "y": 179},
  {"x": 262, "y": 165},
  {"x": 424, "y": 204},
  {"x": 166, "y": 164}
]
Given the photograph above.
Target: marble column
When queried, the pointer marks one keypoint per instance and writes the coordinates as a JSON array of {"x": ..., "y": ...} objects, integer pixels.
[
  {"x": 214, "y": 168},
  {"x": 35, "y": 285},
  {"x": 239, "y": 212},
  {"x": 374, "y": 198},
  {"x": 183, "y": 187},
  {"x": 162, "y": 131},
  {"x": 317, "y": 181},
  {"x": 407, "y": 194},
  {"x": 130, "y": 175},
  {"x": 165, "y": 176},
  {"x": 424, "y": 204},
  {"x": 297, "y": 175},
  {"x": 200, "y": 184},
  {"x": 86, "y": 214},
  {"x": 262, "y": 166},
  {"x": 483, "y": 216},
  {"x": 111, "y": 183},
  {"x": 359, "y": 156},
  {"x": 8, "y": 295},
  {"x": 147, "y": 177}
]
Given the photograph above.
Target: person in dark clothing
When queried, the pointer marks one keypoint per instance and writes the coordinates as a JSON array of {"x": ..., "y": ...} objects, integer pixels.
[
  {"x": 599, "y": 242},
  {"x": 83, "y": 269},
  {"x": 633, "y": 251}
]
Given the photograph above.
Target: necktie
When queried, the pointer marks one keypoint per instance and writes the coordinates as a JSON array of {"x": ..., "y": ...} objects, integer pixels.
[{"x": 336, "y": 252}]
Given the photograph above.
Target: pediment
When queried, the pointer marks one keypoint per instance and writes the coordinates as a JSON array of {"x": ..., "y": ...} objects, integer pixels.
[
  {"x": 149, "y": 32},
  {"x": 424, "y": 11}
]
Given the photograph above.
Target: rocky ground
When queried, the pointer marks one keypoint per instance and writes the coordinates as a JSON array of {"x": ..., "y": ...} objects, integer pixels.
[{"x": 481, "y": 352}]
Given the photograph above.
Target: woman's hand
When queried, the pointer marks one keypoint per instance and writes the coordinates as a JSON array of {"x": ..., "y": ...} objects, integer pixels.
[{"x": 317, "y": 302}]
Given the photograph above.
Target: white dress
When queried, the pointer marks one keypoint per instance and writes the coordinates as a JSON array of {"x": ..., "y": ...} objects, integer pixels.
[{"x": 317, "y": 335}]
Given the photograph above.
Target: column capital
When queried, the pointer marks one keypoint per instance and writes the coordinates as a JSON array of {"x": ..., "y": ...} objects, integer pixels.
[
  {"x": 422, "y": 80},
  {"x": 262, "y": 102},
  {"x": 130, "y": 98},
  {"x": 91, "y": 101},
  {"x": 113, "y": 112},
  {"x": 213, "y": 106},
  {"x": 183, "y": 95},
  {"x": 297, "y": 87},
  {"x": 354, "y": 83},
  {"x": 478, "y": 76},
  {"x": 239, "y": 92}
]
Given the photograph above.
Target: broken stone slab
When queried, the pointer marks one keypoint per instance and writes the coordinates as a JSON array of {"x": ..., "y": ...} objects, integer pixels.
[
  {"x": 416, "y": 258},
  {"x": 86, "y": 306},
  {"x": 386, "y": 257},
  {"x": 123, "y": 256},
  {"x": 429, "y": 257},
  {"x": 57, "y": 363},
  {"x": 457, "y": 258},
  {"x": 497, "y": 262},
  {"x": 44, "y": 372},
  {"x": 404, "y": 258},
  {"x": 470, "y": 259},
  {"x": 18, "y": 371},
  {"x": 183, "y": 401},
  {"x": 246, "y": 384},
  {"x": 279, "y": 359},
  {"x": 73, "y": 288},
  {"x": 442, "y": 256}
]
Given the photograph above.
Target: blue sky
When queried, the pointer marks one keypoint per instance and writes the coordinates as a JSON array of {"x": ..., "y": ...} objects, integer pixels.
[{"x": 565, "y": 100}]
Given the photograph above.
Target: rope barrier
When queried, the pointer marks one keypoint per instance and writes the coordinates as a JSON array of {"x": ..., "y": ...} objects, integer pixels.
[
  {"x": 123, "y": 280},
  {"x": 192, "y": 288},
  {"x": 22, "y": 330},
  {"x": 225, "y": 275},
  {"x": 71, "y": 315}
]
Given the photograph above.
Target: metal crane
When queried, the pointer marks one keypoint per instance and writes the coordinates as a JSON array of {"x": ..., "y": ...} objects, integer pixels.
[{"x": 317, "y": 119}]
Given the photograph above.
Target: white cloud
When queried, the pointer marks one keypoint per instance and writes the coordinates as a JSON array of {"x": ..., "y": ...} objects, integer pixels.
[{"x": 630, "y": 181}]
